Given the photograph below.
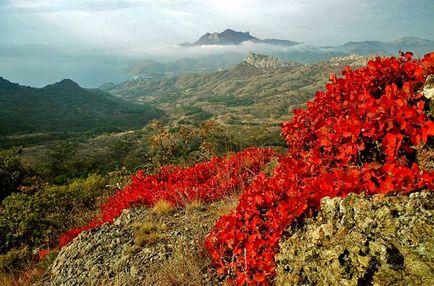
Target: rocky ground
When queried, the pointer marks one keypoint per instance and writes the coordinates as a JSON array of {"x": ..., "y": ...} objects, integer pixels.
[
  {"x": 142, "y": 247},
  {"x": 378, "y": 240}
]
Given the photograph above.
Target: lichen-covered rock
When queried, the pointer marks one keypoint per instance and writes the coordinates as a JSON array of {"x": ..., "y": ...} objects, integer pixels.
[
  {"x": 428, "y": 90},
  {"x": 378, "y": 240}
]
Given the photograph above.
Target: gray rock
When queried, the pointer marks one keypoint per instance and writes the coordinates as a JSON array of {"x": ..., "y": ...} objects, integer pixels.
[
  {"x": 378, "y": 240},
  {"x": 109, "y": 256},
  {"x": 428, "y": 90}
]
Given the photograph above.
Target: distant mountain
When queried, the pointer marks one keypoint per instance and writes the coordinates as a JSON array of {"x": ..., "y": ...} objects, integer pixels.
[
  {"x": 210, "y": 63},
  {"x": 413, "y": 44},
  {"x": 231, "y": 37},
  {"x": 66, "y": 107}
]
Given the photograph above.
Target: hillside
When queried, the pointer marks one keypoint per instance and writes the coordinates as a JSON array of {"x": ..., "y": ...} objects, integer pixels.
[
  {"x": 65, "y": 107},
  {"x": 259, "y": 90}
]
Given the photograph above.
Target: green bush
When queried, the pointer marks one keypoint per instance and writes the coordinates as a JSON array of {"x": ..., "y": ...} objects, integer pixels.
[
  {"x": 14, "y": 260},
  {"x": 37, "y": 219},
  {"x": 11, "y": 172}
]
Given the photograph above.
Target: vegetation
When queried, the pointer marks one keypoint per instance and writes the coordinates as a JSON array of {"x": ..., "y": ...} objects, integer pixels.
[
  {"x": 36, "y": 219},
  {"x": 11, "y": 172}
]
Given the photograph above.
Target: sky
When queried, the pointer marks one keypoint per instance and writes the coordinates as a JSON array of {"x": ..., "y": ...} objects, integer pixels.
[{"x": 71, "y": 35}]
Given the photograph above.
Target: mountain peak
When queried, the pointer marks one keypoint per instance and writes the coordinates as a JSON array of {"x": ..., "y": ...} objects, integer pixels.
[
  {"x": 232, "y": 37},
  {"x": 65, "y": 83},
  {"x": 4, "y": 83},
  {"x": 227, "y": 37}
]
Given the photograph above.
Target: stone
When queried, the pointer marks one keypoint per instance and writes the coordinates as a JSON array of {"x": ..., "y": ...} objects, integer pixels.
[
  {"x": 428, "y": 89},
  {"x": 377, "y": 240}
]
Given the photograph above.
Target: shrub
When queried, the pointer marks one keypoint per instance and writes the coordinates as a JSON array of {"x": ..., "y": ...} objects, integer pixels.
[
  {"x": 14, "y": 260},
  {"x": 11, "y": 172},
  {"x": 37, "y": 219}
]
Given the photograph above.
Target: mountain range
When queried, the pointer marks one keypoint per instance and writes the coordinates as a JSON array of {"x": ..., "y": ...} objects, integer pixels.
[
  {"x": 232, "y": 51},
  {"x": 231, "y": 37},
  {"x": 412, "y": 44}
]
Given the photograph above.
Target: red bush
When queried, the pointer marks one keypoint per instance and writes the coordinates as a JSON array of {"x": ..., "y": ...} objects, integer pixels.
[
  {"x": 357, "y": 136},
  {"x": 42, "y": 253},
  {"x": 206, "y": 182}
]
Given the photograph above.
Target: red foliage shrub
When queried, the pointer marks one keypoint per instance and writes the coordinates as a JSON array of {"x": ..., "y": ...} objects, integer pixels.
[
  {"x": 42, "y": 253},
  {"x": 356, "y": 136},
  {"x": 206, "y": 182}
]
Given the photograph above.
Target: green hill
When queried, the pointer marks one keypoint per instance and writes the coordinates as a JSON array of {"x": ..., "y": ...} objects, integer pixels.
[{"x": 65, "y": 107}]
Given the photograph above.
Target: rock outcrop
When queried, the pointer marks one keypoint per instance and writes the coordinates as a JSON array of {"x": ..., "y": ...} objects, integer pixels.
[
  {"x": 354, "y": 61},
  {"x": 266, "y": 62},
  {"x": 378, "y": 240}
]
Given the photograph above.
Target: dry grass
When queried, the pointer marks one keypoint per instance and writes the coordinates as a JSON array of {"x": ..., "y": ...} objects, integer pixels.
[
  {"x": 188, "y": 263},
  {"x": 224, "y": 207},
  {"x": 7, "y": 280},
  {"x": 185, "y": 268},
  {"x": 162, "y": 207},
  {"x": 148, "y": 233},
  {"x": 195, "y": 205}
]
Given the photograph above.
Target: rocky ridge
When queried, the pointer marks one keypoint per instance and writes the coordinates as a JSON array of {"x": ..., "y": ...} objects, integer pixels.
[{"x": 266, "y": 62}]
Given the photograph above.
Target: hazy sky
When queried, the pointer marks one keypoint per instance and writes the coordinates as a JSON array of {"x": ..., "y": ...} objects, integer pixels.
[{"x": 45, "y": 29}]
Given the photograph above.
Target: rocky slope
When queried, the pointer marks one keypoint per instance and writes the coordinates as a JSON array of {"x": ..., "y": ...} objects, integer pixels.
[{"x": 142, "y": 247}]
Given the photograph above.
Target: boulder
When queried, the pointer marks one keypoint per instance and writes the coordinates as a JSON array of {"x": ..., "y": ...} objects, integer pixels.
[{"x": 358, "y": 240}]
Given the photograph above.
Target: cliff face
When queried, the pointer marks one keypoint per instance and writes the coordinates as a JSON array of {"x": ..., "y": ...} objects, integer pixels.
[{"x": 378, "y": 240}]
